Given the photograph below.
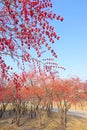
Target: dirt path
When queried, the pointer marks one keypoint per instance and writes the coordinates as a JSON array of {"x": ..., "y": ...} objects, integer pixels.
[{"x": 79, "y": 113}]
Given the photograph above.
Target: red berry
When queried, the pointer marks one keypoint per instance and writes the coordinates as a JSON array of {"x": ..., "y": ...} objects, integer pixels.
[{"x": 11, "y": 47}]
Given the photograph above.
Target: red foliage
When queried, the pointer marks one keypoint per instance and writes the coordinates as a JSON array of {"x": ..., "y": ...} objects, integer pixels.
[
  {"x": 31, "y": 86},
  {"x": 68, "y": 90}
]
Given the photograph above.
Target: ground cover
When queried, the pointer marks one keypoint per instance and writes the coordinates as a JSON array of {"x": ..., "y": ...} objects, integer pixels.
[{"x": 48, "y": 123}]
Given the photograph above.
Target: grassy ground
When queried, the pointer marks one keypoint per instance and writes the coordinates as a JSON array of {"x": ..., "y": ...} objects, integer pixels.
[{"x": 51, "y": 123}]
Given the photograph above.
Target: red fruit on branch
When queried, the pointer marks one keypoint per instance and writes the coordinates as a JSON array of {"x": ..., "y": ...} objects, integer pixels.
[
  {"x": 58, "y": 37},
  {"x": 62, "y": 19},
  {"x": 31, "y": 13},
  {"x": 11, "y": 47},
  {"x": 7, "y": 42},
  {"x": 26, "y": 26}
]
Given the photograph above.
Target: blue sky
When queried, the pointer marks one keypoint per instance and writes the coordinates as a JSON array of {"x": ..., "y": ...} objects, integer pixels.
[{"x": 72, "y": 46}]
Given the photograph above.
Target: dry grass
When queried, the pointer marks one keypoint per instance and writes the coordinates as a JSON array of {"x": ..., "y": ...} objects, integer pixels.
[
  {"x": 51, "y": 123},
  {"x": 78, "y": 106},
  {"x": 77, "y": 124}
]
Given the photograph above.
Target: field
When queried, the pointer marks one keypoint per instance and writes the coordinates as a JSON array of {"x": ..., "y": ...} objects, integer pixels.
[{"x": 50, "y": 123}]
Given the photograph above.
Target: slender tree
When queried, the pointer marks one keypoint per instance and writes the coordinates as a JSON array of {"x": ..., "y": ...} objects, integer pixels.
[{"x": 66, "y": 93}]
